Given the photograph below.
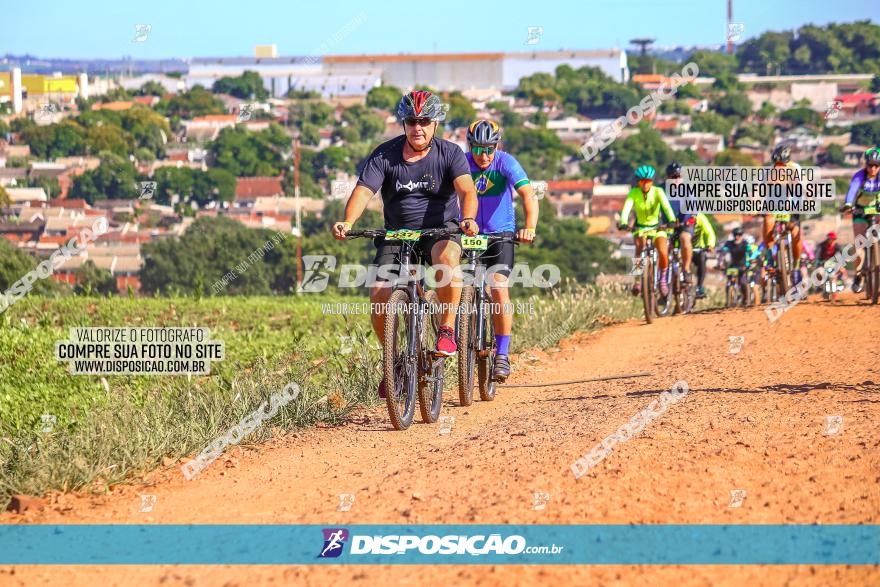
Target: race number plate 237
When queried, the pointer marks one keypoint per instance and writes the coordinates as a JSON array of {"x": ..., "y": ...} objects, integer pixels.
[
  {"x": 475, "y": 243},
  {"x": 403, "y": 235}
]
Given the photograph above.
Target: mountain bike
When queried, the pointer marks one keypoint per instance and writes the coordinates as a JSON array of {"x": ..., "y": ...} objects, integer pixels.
[
  {"x": 683, "y": 295},
  {"x": 409, "y": 365},
  {"x": 476, "y": 327},
  {"x": 783, "y": 261},
  {"x": 647, "y": 266},
  {"x": 871, "y": 266},
  {"x": 738, "y": 291}
]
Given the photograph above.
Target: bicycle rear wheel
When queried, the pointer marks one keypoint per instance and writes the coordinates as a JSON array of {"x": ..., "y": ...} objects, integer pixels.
[
  {"x": 431, "y": 380},
  {"x": 466, "y": 352},
  {"x": 486, "y": 362},
  {"x": 783, "y": 266},
  {"x": 874, "y": 272},
  {"x": 399, "y": 370}
]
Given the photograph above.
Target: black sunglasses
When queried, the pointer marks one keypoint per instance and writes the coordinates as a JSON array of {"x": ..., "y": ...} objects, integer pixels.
[{"x": 419, "y": 121}]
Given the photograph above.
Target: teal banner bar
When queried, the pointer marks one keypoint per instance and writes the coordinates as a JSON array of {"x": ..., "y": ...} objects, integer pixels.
[{"x": 661, "y": 544}]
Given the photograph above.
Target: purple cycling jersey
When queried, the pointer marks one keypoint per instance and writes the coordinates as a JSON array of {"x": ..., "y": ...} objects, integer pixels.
[{"x": 862, "y": 190}]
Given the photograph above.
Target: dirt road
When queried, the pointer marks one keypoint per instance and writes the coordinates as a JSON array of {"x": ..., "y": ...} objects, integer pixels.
[{"x": 762, "y": 420}]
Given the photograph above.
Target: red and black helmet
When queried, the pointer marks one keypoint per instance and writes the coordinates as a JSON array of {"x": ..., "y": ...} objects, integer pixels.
[{"x": 420, "y": 105}]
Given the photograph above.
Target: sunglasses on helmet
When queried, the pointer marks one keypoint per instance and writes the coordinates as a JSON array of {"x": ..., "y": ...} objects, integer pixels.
[
  {"x": 419, "y": 121},
  {"x": 481, "y": 150}
]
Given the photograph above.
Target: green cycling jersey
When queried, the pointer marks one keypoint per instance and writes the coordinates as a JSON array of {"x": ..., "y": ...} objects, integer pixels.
[
  {"x": 704, "y": 234},
  {"x": 646, "y": 206}
]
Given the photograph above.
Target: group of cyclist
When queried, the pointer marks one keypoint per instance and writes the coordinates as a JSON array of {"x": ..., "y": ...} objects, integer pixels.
[
  {"x": 427, "y": 182},
  {"x": 696, "y": 236}
]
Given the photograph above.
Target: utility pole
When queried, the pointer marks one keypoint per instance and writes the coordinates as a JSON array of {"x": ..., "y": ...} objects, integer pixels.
[
  {"x": 729, "y": 22},
  {"x": 298, "y": 229}
]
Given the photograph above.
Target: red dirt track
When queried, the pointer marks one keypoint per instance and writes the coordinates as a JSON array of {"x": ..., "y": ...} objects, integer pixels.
[{"x": 753, "y": 420}]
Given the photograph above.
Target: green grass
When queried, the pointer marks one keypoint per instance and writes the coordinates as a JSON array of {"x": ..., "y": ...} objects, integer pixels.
[{"x": 105, "y": 435}]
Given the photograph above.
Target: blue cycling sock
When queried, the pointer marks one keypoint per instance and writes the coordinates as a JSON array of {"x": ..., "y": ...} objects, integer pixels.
[{"x": 502, "y": 341}]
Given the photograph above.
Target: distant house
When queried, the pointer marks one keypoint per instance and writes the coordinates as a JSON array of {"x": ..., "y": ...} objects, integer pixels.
[
  {"x": 862, "y": 103},
  {"x": 608, "y": 199},
  {"x": 12, "y": 176},
  {"x": 248, "y": 189},
  {"x": 115, "y": 106},
  {"x": 571, "y": 198},
  {"x": 667, "y": 126},
  {"x": 21, "y": 232},
  {"x": 21, "y": 195},
  {"x": 705, "y": 144},
  {"x": 207, "y": 128}
]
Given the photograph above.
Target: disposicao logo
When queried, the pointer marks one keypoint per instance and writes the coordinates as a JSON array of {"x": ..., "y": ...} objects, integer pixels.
[{"x": 334, "y": 541}]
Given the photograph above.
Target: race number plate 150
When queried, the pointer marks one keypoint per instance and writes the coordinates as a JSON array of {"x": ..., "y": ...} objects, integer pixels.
[
  {"x": 403, "y": 235},
  {"x": 475, "y": 243}
]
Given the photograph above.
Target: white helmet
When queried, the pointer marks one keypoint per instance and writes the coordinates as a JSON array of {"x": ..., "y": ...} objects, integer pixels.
[{"x": 750, "y": 239}]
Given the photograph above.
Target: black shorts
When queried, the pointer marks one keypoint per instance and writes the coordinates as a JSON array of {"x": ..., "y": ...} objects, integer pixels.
[
  {"x": 499, "y": 255},
  {"x": 387, "y": 252}
]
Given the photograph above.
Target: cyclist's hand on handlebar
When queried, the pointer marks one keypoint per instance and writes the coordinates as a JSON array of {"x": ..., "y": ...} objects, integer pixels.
[
  {"x": 526, "y": 235},
  {"x": 339, "y": 229},
  {"x": 469, "y": 227},
  {"x": 846, "y": 208}
]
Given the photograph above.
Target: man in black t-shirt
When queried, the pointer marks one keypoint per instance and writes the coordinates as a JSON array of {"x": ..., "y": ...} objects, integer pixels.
[{"x": 425, "y": 182}]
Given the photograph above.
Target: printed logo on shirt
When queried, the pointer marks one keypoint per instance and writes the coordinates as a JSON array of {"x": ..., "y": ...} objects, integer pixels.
[{"x": 412, "y": 186}]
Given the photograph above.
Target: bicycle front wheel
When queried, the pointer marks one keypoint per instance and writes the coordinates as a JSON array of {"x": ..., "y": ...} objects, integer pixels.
[
  {"x": 467, "y": 353},
  {"x": 431, "y": 379},
  {"x": 648, "y": 289},
  {"x": 399, "y": 368},
  {"x": 486, "y": 361}
]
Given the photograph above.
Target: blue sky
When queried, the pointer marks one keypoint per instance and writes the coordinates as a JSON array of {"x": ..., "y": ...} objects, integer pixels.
[{"x": 181, "y": 28}]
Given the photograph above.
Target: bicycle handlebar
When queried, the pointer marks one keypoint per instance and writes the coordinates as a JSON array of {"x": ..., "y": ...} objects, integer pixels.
[{"x": 382, "y": 232}]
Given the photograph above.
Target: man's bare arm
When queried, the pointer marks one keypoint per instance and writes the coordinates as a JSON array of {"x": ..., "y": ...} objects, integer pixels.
[{"x": 357, "y": 203}]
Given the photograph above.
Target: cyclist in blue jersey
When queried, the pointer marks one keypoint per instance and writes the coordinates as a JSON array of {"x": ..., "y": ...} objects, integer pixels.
[
  {"x": 864, "y": 190},
  {"x": 497, "y": 174}
]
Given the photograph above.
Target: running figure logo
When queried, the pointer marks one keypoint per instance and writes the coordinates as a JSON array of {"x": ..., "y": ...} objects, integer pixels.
[
  {"x": 334, "y": 541},
  {"x": 317, "y": 272}
]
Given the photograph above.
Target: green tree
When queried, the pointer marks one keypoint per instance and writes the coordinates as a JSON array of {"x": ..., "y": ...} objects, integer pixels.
[
  {"x": 733, "y": 158},
  {"x": 366, "y": 123},
  {"x": 834, "y": 155},
  {"x": 90, "y": 279},
  {"x": 15, "y": 264},
  {"x": 802, "y": 117},
  {"x": 107, "y": 137},
  {"x": 712, "y": 122},
  {"x": 245, "y": 153},
  {"x": 247, "y": 86},
  {"x": 384, "y": 98},
  {"x": 196, "y": 102},
  {"x": 733, "y": 104},
  {"x": 212, "y": 248},
  {"x": 767, "y": 110},
  {"x": 114, "y": 178},
  {"x": 152, "y": 88},
  {"x": 866, "y": 133},
  {"x": 461, "y": 111}
]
